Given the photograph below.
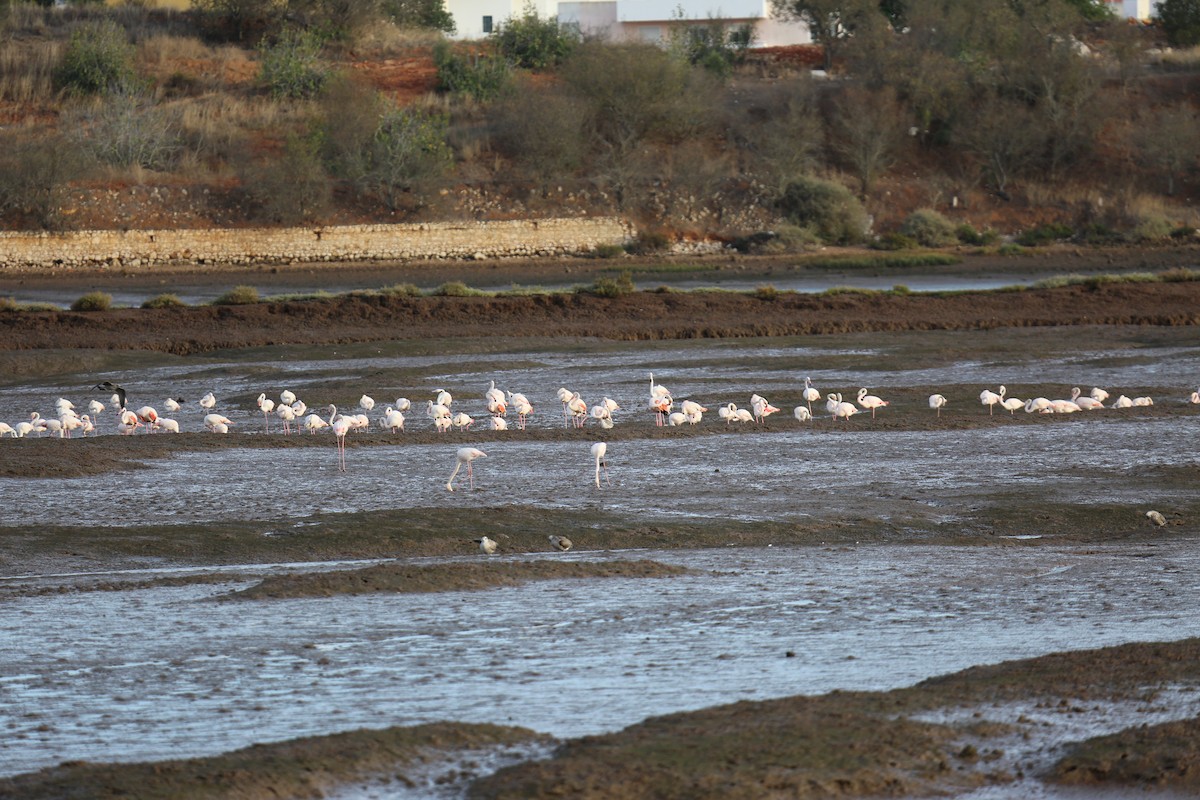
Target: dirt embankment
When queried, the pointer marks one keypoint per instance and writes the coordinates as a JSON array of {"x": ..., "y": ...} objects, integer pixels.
[{"x": 636, "y": 316}]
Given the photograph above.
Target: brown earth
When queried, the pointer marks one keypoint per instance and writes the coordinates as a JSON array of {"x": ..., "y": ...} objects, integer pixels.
[{"x": 637, "y": 316}]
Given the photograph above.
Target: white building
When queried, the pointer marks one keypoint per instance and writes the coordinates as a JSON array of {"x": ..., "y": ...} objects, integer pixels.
[
  {"x": 632, "y": 20},
  {"x": 1133, "y": 9}
]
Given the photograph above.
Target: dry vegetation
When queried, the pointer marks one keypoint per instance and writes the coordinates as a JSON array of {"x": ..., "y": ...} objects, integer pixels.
[{"x": 211, "y": 120}]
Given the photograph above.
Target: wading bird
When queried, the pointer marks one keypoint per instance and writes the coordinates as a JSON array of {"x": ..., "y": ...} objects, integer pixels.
[
  {"x": 936, "y": 401},
  {"x": 117, "y": 391},
  {"x": 989, "y": 398},
  {"x": 465, "y": 455},
  {"x": 599, "y": 449}
]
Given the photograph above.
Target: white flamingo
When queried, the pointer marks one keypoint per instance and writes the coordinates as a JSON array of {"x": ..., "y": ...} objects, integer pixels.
[
  {"x": 497, "y": 423},
  {"x": 208, "y": 401},
  {"x": 578, "y": 409},
  {"x": 462, "y": 420},
  {"x": 287, "y": 397},
  {"x": 1012, "y": 405},
  {"x": 287, "y": 415},
  {"x": 366, "y": 403},
  {"x": 1087, "y": 403},
  {"x": 1122, "y": 402},
  {"x": 802, "y": 413},
  {"x": 762, "y": 409},
  {"x": 266, "y": 405},
  {"x": 393, "y": 420},
  {"x": 810, "y": 394},
  {"x": 937, "y": 402},
  {"x": 989, "y": 398},
  {"x": 602, "y": 415},
  {"x": 341, "y": 426},
  {"x": 465, "y": 455},
  {"x": 599, "y": 449},
  {"x": 1098, "y": 394}
]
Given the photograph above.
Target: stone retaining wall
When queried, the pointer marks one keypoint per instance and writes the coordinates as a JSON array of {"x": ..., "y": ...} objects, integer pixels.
[{"x": 434, "y": 240}]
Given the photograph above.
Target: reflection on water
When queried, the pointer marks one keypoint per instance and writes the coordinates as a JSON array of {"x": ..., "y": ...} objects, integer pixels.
[{"x": 166, "y": 672}]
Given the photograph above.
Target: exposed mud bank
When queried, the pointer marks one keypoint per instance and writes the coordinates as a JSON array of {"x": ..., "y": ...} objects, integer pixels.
[{"x": 636, "y": 316}]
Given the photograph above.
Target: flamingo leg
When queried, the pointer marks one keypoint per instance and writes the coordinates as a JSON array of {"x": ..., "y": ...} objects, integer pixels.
[{"x": 470, "y": 475}]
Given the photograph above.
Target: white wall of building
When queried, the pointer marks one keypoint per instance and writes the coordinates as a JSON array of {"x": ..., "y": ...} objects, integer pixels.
[
  {"x": 469, "y": 14},
  {"x": 663, "y": 10},
  {"x": 650, "y": 20}
]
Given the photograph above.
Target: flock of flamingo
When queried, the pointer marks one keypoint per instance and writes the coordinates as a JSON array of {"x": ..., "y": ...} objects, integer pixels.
[{"x": 294, "y": 415}]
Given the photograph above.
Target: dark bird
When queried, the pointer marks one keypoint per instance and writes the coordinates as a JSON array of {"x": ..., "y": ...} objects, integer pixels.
[{"x": 109, "y": 386}]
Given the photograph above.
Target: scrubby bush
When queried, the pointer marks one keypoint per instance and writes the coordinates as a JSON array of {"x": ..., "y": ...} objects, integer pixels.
[
  {"x": 967, "y": 234},
  {"x": 606, "y": 286},
  {"x": 829, "y": 208},
  {"x": 402, "y": 290},
  {"x": 608, "y": 251},
  {"x": 483, "y": 76},
  {"x": 1151, "y": 229},
  {"x": 98, "y": 60},
  {"x": 291, "y": 66},
  {"x": 534, "y": 42},
  {"x": 894, "y": 241},
  {"x": 164, "y": 301},
  {"x": 93, "y": 301},
  {"x": 457, "y": 289},
  {"x": 766, "y": 292},
  {"x": 1181, "y": 21},
  {"x": 430, "y": 14},
  {"x": 291, "y": 188},
  {"x": 8, "y": 304},
  {"x": 126, "y": 130},
  {"x": 238, "y": 296},
  {"x": 649, "y": 241},
  {"x": 929, "y": 228},
  {"x": 36, "y": 170},
  {"x": 1045, "y": 234}
]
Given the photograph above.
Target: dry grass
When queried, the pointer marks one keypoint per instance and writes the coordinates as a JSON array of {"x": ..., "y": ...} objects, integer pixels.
[
  {"x": 385, "y": 39},
  {"x": 1186, "y": 59},
  {"x": 27, "y": 70},
  {"x": 166, "y": 49}
]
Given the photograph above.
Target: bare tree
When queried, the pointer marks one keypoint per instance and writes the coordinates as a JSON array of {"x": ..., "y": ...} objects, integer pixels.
[
  {"x": 867, "y": 129},
  {"x": 1167, "y": 141},
  {"x": 1000, "y": 139}
]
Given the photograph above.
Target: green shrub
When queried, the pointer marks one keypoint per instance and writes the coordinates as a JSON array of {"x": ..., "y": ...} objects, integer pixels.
[
  {"x": 164, "y": 301},
  {"x": 608, "y": 251},
  {"x": 894, "y": 241},
  {"x": 967, "y": 234},
  {"x": 238, "y": 296},
  {"x": 648, "y": 242},
  {"x": 1097, "y": 233},
  {"x": 766, "y": 292},
  {"x": 832, "y": 211},
  {"x": 98, "y": 60},
  {"x": 606, "y": 286},
  {"x": 1151, "y": 229},
  {"x": 1180, "y": 19},
  {"x": 457, "y": 289},
  {"x": 291, "y": 66},
  {"x": 532, "y": 42},
  {"x": 1184, "y": 232},
  {"x": 478, "y": 75},
  {"x": 1045, "y": 234},
  {"x": 901, "y": 289},
  {"x": 929, "y": 228},
  {"x": 9, "y": 304},
  {"x": 93, "y": 301},
  {"x": 1179, "y": 275},
  {"x": 1010, "y": 249}
]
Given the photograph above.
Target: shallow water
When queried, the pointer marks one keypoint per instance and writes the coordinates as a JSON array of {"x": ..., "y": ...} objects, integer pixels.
[{"x": 165, "y": 672}]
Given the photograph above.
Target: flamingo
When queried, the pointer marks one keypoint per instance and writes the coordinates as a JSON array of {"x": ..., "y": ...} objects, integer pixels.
[
  {"x": 660, "y": 401},
  {"x": 602, "y": 415},
  {"x": 1122, "y": 402},
  {"x": 168, "y": 425},
  {"x": 1143, "y": 401},
  {"x": 559, "y": 542},
  {"x": 462, "y": 420},
  {"x": 802, "y": 413},
  {"x": 810, "y": 394},
  {"x": 128, "y": 428},
  {"x": 871, "y": 401},
  {"x": 95, "y": 408},
  {"x": 117, "y": 392},
  {"x": 611, "y": 404},
  {"x": 599, "y": 449},
  {"x": 466, "y": 455},
  {"x": 1012, "y": 405},
  {"x": 496, "y": 404},
  {"x": 366, "y": 403},
  {"x": 990, "y": 398},
  {"x": 762, "y": 409},
  {"x": 208, "y": 401},
  {"x": 70, "y": 422},
  {"x": 403, "y": 404},
  {"x": 1098, "y": 394},
  {"x": 298, "y": 408},
  {"x": 497, "y": 423},
  {"x": 1040, "y": 405},
  {"x": 486, "y": 546},
  {"x": 437, "y": 411},
  {"x": 7, "y": 430},
  {"x": 51, "y": 426},
  {"x": 676, "y": 418},
  {"x": 522, "y": 407},
  {"x": 172, "y": 404},
  {"x": 843, "y": 410},
  {"x": 578, "y": 409},
  {"x": 936, "y": 401},
  {"x": 62, "y": 406},
  {"x": 217, "y": 423},
  {"x": 340, "y": 427},
  {"x": 22, "y": 429},
  {"x": 1195, "y": 397},
  {"x": 88, "y": 425},
  {"x": 314, "y": 423},
  {"x": 267, "y": 405},
  {"x": 287, "y": 415},
  {"x": 564, "y": 395},
  {"x": 442, "y": 424},
  {"x": 393, "y": 420},
  {"x": 443, "y": 398},
  {"x": 287, "y": 397},
  {"x": 1088, "y": 403},
  {"x": 147, "y": 415}
]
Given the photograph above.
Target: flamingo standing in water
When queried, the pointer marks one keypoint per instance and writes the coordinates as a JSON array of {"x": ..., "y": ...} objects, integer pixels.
[
  {"x": 660, "y": 401},
  {"x": 341, "y": 426},
  {"x": 871, "y": 401},
  {"x": 522, "y": 406},
  {"x": 599, "y": 449},
  {"x": 287, "y": 415},
  {"x": 465, "y": 455},
  {"x": 393, "y": 420},
  {"x": 209, "y": 401},
  {"x": 802, "y": 413},
  {"x": 578, "y": 409},
  {"x": 496, "y": 405}
]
